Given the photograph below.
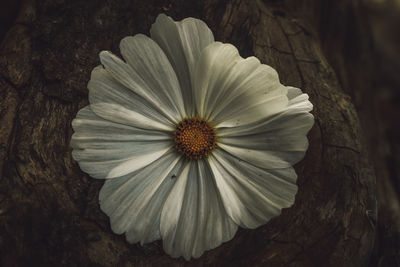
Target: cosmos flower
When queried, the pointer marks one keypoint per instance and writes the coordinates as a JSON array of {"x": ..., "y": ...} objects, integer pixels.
[{"x": 192, "y": 139}]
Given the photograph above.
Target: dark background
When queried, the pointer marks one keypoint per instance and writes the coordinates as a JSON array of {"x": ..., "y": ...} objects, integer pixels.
[{"x": 347, "y": 58}]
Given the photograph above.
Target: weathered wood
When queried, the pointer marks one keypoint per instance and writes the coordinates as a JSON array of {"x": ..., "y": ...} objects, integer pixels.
[{"x": 49, "y": 208}]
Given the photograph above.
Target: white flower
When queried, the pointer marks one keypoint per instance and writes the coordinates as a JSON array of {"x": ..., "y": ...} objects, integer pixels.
[{"x": 193, "y": 139}]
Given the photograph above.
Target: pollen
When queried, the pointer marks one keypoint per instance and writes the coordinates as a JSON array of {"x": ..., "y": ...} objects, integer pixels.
[{"x": 194, "y": 138}]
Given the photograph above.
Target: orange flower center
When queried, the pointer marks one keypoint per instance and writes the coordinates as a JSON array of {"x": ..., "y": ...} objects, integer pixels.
[{"x": 194, "y": 138}]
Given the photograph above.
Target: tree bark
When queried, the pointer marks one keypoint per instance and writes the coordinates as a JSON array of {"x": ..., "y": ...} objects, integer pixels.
[{"x": 49, "y": 211}]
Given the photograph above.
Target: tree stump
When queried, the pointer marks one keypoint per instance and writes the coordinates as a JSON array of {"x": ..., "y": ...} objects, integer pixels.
[{"x": 49, "y": 211}]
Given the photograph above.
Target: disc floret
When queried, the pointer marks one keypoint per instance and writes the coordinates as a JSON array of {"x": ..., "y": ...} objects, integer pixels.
[{"x": 194, "y": 138}]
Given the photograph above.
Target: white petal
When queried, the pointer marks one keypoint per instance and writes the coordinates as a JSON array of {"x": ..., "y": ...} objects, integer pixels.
[
  {"x": 284, "y": 133},
  {"x": 282, "y": 136},
  {"x": 103, "y": 88},
  {"x": 128, "y": 77},
  {"x": 251, "y": 109},
  {"x": 101, "y": 153},
  {"x": 252, "y": 195},
  {"x": 261, "y": 158},
  {"x": 120, "y": 114},
  {"x": 193, "y": 218},
  {"x": 213, "y": 75},
  {"x": 134, "y": 202},
  {"x": 124, "y": 159},
  {"x": 295, "y": 118},
  {"x": 92, "y": 131},
  {"x": 152, "y": 65},
  {"x": 232, "y": 91},
  {"x": 182, "y": 42},
  {"x": 298, "y": 100},
  {"x": 290, "y": 148},
  {"x": 293, "y": 92}
]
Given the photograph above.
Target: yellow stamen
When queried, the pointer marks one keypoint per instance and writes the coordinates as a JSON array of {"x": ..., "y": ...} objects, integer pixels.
[{"x": 194, "y": 138}]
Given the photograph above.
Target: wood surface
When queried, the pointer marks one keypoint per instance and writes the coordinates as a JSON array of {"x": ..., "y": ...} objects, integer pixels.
[{"x": 49, "y": 211}]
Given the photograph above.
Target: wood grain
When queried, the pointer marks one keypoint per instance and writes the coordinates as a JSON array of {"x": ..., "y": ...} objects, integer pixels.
[{"x": 49, "y": 213}]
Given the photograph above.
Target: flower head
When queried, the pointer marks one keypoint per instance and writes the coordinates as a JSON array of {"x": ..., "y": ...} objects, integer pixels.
[{"x": 193, "y": 139}]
